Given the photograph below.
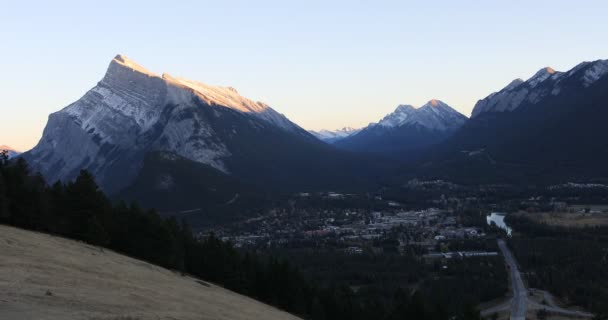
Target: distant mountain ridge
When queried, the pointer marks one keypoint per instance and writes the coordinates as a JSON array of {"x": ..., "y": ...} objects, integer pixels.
[
  {"x": 407, "y": 129},
  {"x": 332, "y": 136}
]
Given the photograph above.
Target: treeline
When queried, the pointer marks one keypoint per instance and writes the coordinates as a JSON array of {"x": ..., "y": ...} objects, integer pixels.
[
  {"x": 572, "y": 263},
  {"x": 79, "y": 210},
  {"x": 455, "y": 289}
]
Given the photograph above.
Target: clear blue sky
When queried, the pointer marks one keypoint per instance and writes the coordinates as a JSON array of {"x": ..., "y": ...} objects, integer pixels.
[{"x": 324, "y": 65}]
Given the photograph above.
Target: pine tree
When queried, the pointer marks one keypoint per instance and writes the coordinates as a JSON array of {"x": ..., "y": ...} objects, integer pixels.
[
  {"x": 4, "y": 213},
  {"x": 87, "y": 208}
]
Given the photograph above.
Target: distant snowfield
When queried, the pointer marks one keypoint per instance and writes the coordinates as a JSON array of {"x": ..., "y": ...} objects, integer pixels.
[{"x": 46, "y": 277}]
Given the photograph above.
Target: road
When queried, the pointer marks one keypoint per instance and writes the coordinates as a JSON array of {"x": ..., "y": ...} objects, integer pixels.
[{"x": 519, "y": 303}]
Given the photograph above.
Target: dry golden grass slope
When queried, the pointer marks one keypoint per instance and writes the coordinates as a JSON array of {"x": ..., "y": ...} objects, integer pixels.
[
  {"x": 46, "y": 277},
  {"x": 570, "y": 219}
]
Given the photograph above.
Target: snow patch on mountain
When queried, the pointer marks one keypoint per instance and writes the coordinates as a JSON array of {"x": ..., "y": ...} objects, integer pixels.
[
  {"x": 192, "y": 138},
  {"x": 398, "y": 117},
  {"x": 514, "y": 84},
  {"x": 595, "y": 72}
]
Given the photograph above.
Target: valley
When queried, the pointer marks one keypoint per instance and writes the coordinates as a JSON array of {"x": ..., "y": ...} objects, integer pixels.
[
  {"x": 313, "y": 160},
  {"x": 327, "y": 232},
  {"x": 424, "y": 214}
]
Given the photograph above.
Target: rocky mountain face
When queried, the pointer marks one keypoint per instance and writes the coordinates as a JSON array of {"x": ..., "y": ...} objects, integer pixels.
[
  {"x": 333, "y": 136},
  {"x": 406, "y": 130},
  {"x": 132, "y": 112},
  {"x": 546, "y": 82},
  {"x": 548, "y": 128}
]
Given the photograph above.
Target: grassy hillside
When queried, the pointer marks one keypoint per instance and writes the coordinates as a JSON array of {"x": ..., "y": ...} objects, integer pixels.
[{"x": 46, "y": 277}]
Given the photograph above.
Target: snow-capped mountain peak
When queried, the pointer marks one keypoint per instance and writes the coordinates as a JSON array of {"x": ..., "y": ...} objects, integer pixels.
[
  {"x": 331, "y": 136},
  {"x": 229, "y": 97},
  {"x": 140, "y": 94},
  {"x": 136, "y": 110},
  {"x": 435, "y": 114},
  {"x": 407, "y": 129},
  {"x": 128, "y": 78},
  {"x": 130, "y": 64},
  {"x": 216, "y": 95},
  {"x": 434, "y": 103},
  {"x": 542, "y": 75}
]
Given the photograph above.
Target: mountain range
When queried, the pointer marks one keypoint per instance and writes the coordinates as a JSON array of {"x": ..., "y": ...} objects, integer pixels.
[
  {"x": 177, "y": 144},
  {"x": 548, "y": 128}
]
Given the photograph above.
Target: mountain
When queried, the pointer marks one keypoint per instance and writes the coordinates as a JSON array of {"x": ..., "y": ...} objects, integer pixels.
[
  {"x": 407, "y": 130},
  {"x": 548, "y": 128},
  {"x": 11, "y": 152},
  {"x": 334, "y": 136},
  {"x": 519, "y": 92},
  {"x": 132, "y": 112},
  {"x": 191, "y": 190}
]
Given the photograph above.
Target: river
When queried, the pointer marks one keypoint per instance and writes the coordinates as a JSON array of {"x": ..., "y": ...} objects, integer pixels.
[{"x": 498, "y": 219}]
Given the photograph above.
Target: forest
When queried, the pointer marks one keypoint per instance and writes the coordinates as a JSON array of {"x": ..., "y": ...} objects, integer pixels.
[
  {"x": 571, "y": 263},
  {"x": 80, "y": 211}
]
